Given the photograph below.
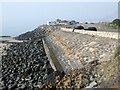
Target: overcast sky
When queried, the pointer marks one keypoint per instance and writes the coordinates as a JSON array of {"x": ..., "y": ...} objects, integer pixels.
[{"x": 20, "y": 17}]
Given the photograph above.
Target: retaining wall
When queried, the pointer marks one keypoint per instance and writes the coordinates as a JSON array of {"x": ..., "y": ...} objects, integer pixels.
[{"x": 113, "y": 35}]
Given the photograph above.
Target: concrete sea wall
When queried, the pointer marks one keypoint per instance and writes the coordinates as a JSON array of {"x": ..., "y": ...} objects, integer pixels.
[
  {"x": 48, "y": 54},
  {"x": 51, "y": 54}
]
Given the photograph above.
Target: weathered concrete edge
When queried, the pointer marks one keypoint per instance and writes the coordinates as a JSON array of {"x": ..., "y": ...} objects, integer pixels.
[
  {"x": 48, "y": 55},
  {"x": 112, "y": 35}
]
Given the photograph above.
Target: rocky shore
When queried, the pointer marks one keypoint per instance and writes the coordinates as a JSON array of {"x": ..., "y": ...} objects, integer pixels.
[{"x": 25, "y": 66}]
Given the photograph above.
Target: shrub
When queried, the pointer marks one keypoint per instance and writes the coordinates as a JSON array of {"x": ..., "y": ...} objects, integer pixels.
[
  {"x": 116, "y": 22},
  {"x": 117, "y": 53}
]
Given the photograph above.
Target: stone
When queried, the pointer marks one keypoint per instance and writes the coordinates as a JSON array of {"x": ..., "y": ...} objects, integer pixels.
[
  {"x": 24, "y": 61},
  {"x": 84, "y": 62},
  {"x": 91, "y": 78},
  {"x": 23, "y": 86},
  {"x": 91, "y": 49},
  {"x": 92, "y": 84},
  {"x": 12, "y": 86},
  {"x": 85, "y": 59},
  {"x": 92, "y": 43}
]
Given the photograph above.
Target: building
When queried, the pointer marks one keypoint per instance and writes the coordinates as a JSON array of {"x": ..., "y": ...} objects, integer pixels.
[
  {"x": 73, "y": 22},
  {"x": 53, "y": 23}
]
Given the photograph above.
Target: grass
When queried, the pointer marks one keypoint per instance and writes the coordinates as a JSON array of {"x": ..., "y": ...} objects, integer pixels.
[
  {"x": 110, "y": 69},
  {"x": 117, "y": 53}
]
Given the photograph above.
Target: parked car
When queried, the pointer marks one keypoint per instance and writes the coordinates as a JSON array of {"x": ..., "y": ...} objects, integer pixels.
[
  {"x": 78, "y": 27},
  {"x": 91, "y": 28}
]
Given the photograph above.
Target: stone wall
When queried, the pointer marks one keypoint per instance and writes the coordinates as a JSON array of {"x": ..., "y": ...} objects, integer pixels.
[
  {"x": 113, "y": 35},
  {"x": 81, "y": 49}
]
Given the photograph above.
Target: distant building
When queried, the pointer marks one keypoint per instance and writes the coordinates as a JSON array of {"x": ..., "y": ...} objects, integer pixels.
[
  {"x": 73, "y": 22},
  {"x": 47, "y": 22},
  {"x": 53, "y": 23},
  {"x": 62, "y": 22}
]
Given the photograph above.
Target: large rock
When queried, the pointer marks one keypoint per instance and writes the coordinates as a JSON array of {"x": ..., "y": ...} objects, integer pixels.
[{"x": 25, "y": 64}]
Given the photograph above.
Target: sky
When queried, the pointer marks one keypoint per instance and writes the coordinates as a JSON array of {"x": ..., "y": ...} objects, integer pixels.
[{"x": 20, "y": 17}]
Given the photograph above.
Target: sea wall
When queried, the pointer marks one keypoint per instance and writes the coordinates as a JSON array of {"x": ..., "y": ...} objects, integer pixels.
[
  {"x": 113, "y": 35},
  {"x": 48, "y": 54}
]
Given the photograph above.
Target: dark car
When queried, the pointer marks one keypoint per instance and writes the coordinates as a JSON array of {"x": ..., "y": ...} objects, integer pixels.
[
  {"x": 91, "y": 28},
  {"x": 79, "y": 27}
]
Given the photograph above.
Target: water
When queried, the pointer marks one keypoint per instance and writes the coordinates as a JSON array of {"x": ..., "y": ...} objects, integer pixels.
[{"x": 6, "y": 38}]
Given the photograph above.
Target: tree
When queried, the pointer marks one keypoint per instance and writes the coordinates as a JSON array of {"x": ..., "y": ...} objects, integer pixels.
[
  {"x": 116, "y": 22},
  {"x": 86, "y": 22},
  {"x": 58, "y": 20}
]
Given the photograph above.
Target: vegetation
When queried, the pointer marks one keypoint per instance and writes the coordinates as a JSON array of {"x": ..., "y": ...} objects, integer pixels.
[
  {"x": 117, "y": 53},
  {"x": 115, "y": 23}
]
